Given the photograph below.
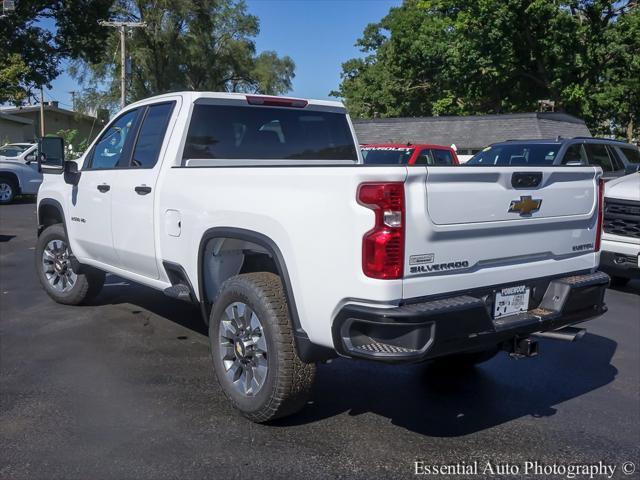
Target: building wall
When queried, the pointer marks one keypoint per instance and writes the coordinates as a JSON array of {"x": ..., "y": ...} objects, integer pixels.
[
  {"x": 11, "y": 132},
  {"x": 55, "y": 121}
]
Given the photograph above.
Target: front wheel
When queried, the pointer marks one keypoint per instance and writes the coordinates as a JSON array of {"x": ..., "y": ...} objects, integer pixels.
[
  {"x": 253, "y": 351},
  {"x": 53, "y": 266}
]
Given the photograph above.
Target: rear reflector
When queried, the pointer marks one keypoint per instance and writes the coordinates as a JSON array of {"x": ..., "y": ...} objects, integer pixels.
[
  {"x": 276, "y": 101},
  {"x": 383, "y": 245}
]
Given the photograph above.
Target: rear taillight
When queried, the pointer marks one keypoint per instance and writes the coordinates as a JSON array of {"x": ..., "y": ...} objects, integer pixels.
[
  {"x": 383, "y": 245},
  {"x": 600, "y": 214}
]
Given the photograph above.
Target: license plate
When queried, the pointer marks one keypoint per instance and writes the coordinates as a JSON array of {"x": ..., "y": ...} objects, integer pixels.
[{"x": 510, "y": 301}]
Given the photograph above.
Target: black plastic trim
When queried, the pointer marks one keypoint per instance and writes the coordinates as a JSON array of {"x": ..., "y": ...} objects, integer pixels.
[
  {"x": 58, "y": 206},
  {"x": 178, "y": 275},
  {"x": 462, "y": 323},
  {"x": 307, "y": 351}
]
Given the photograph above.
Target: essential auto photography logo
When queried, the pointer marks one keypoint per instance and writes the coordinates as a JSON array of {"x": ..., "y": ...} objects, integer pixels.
[{"x": 532, "y": 468}]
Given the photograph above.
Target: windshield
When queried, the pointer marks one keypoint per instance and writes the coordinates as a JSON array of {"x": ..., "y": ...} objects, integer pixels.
[
  {"x": 386, "y": 155},
  {"x": 517, "y": 154},
  {"x": 12, "y": 150}
]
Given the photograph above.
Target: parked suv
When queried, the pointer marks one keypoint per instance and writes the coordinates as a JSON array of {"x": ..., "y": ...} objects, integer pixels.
[
  {"x": 408, "y": 154},
  {"x": 616, "y": 158}
]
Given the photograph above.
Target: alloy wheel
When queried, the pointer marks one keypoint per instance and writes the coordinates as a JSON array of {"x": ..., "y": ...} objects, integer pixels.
[
  {"x": 57, "y": 266},
  {"x": 243, "y": 348}
]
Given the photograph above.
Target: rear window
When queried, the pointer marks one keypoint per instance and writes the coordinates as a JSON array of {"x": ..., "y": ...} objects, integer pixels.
[
  {"x": 632, "y": 154},
  {"x": 266, "y": 133},
  {"x": 386, "y": 155},
  {"x": 517, "y": 154}
]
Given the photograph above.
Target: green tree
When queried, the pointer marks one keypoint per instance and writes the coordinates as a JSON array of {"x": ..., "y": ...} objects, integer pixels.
[
  {"x": 42, "y": 33},
  {"x": 186, "y": 45},
  {"x": 13, "y": 72},
  {"x": 437, "y": 57}
]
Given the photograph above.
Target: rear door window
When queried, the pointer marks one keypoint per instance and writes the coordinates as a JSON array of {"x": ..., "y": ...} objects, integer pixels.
[
  {"x": 264, "y": 133},
  {"x": 151, "y": 136},
  {"x": 598, "y": 155}
]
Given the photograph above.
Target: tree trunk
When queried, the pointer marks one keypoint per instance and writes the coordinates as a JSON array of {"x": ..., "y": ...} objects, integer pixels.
[{"x": 630, "y": 130}]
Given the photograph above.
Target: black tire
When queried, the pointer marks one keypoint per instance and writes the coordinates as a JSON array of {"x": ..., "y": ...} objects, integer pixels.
[
  {"x": 617, "y": 281},
  {"x": 87, "y": 284},
  {"x": 461, "y": 361},
  {"x": 9, "y": 188},
  {"x": 288, "y": 382}
]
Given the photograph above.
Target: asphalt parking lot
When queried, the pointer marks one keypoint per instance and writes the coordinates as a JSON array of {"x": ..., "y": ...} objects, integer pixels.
[{"x": 124, "y": 389}]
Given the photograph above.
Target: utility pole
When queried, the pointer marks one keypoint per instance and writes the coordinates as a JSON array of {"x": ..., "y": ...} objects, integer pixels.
[
  {"x": 41, "y": 112},
  {"x": 122, "y": 26},
  {"x": 73, "y": 99}
]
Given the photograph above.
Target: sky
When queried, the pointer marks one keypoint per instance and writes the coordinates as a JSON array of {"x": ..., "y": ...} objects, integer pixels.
[{"x": 319, "y": 35}]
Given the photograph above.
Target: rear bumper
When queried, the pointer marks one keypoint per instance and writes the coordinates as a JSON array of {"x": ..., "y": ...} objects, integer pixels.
[{"x": 423, "y": 330}]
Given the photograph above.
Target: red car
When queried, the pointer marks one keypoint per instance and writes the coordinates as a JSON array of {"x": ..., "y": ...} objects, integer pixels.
[{"x": 408, "y": 154}]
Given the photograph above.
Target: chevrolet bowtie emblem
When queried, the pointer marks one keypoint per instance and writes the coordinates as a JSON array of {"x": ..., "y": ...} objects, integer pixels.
[{"x": 525, "y": 206}]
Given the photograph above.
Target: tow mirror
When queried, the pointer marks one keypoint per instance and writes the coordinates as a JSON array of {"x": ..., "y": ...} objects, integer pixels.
[{"x": 51, "y": 155}]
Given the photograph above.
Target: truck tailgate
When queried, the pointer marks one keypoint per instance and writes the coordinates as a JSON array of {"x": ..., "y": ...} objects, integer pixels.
[{"x": 470, "y": 227}]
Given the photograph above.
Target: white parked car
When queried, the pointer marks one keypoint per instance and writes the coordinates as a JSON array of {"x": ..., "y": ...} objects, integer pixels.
[
  {"x": 259, "y": 210},
  {"x": 621, "y": 237},
  {"x": 18, "y": 171}
]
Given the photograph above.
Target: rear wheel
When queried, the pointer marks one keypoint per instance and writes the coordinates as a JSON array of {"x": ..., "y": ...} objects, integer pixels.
[
  {"x": 8, "y": 190},
  {"x": 253, "y": 351},
  {"x": 53, "y": 265}
]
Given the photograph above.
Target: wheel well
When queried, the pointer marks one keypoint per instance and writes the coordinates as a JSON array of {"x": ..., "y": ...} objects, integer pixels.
[
  {"x": 227, "y": 251},
  {"x": 225, "y": 257},
  {"x": 13, "y": 177},
  {"x": 49, "y": 215}
]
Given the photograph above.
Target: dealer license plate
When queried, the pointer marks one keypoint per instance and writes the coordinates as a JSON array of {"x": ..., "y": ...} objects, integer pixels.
[{"x": 510, "y": 301}]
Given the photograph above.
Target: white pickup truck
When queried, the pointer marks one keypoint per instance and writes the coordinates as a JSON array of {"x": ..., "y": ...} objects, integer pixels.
[{"x": 260, "y": 210}]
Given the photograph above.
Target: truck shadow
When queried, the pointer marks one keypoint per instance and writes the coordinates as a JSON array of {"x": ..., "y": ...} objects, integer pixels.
[
  {"x": 439, "y": 403},
  {"x": 427, "y": 400}
]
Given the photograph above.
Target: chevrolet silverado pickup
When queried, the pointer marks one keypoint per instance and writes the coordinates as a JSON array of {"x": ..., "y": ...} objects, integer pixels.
[{"x": 260, "y": 210}]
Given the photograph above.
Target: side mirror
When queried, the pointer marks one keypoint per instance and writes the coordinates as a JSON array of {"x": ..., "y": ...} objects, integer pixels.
[
  {"x": 51, "y": 155},
  {"x": 30, "y": 158},
  {"x": 71, "y": 172}
]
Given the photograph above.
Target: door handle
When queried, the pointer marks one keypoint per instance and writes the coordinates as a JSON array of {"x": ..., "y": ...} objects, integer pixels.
[
  {"x": 142, "y": 189},
  {"x": 104, "y": 187}
]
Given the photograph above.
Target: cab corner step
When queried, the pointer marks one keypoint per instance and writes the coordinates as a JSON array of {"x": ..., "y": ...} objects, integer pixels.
[{"x": 179, "y": 291}]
